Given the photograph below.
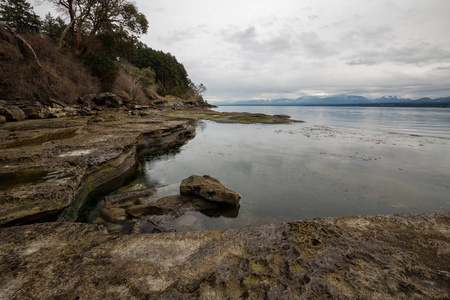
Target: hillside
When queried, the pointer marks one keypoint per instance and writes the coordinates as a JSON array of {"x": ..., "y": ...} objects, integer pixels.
[{"x": 48, "y": 61}]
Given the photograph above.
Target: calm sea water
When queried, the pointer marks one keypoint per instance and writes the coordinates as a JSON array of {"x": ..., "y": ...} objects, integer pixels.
[{"x": 342, "y": 161}]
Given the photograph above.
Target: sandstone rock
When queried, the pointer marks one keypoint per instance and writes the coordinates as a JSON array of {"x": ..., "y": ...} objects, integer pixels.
[
  {"x": 131, "y": 195},
  {"x": 165, "y": 205},
  {"x": 12, "y": 113},
  {"x": 88, "y": 102},
  {"x": 55, "y": 112},
  {"x": 108, "y": 99},
  {"x": 114, "y": 228},
  {"x": 87, "y": 98},
  {"x": 142, "y": 226},
  {"x": 113, "y": 214},
  {"x": 208, "y": 188},
  {"x": 35, "y": 111},
  {"x": 2, "y": 119},
  {"x": 132, "y": 188},
  {"x": 77, "y": 149},
  {"x": 382, "y": 257}
]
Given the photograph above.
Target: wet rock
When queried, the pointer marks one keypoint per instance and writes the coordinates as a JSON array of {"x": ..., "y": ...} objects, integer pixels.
[
  {"x": 143, "y": 226},
  {"x": 113, "y": 227},
  {"x": 186, "y": 221},
  {"x": 98, "y": 220},
  {"x": 161, "y": 228},
  {"x": 90, "y": 154},
  {"x": 163, "y": 206},
  {"x": 12, "y": 113},
  {"x": 208, "y": 188},
  {"x": 133, "y": 188},
  {"x": 114, "y": 214},
  {"x": 168, "y": 209},
  {"x": 127, "y": 196}
]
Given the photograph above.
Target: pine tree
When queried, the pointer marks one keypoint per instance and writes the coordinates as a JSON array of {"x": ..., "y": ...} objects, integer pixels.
[
  {"x": 19, "y": 14},
  {"x": 53, "y": 27}
]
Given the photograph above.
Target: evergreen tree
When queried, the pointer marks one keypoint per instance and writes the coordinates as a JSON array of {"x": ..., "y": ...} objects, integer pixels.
[
  {"x": 169, "y": 72},
  {"x": 53, "y": 27},
  {"x": 20, "y": 15}
]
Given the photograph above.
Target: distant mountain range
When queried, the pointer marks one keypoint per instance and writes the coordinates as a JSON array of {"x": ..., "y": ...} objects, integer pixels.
[{"x": 346, "y": 100}]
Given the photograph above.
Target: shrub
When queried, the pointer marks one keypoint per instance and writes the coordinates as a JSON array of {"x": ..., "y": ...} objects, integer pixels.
[{"x": 129, "y": 89}]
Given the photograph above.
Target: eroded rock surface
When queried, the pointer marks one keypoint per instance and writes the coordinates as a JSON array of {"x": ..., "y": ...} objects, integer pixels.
[
  {"x": 208, "y": 188},
  {"x": 49, "y": 166},
  {"x": 382, "y": 257}
]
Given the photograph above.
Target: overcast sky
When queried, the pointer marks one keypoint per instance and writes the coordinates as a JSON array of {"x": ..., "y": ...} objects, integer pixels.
[{"x": 260, "y": 49}]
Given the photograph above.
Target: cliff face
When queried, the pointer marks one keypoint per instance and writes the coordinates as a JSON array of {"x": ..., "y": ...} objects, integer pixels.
[{"x": 383, "y": 257}]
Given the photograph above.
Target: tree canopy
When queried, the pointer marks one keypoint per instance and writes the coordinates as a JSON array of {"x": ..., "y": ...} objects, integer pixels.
[
  {"x": 169, "y": 71},
  {"x": 90, "y": 19},
  {"x": 19, "y": 14}
]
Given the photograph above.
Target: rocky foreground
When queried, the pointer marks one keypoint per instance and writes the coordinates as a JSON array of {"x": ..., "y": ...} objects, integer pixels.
[
  {"x": 49, "y": 166},
  {"x": 395, "y": 257}
]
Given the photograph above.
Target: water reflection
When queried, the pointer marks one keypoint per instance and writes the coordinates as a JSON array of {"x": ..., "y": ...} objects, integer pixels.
[
  {"x": 226, "y": 211},
  {"x": 298, "y": 171}
]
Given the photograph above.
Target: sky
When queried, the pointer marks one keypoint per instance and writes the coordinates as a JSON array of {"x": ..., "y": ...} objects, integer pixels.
[{"x": 268, "y": 49}]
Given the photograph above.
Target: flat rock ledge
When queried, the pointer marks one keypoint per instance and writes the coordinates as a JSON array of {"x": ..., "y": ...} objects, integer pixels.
[
  {"x": 49, "y": 166},
  {"x": 380, "y": 257}
]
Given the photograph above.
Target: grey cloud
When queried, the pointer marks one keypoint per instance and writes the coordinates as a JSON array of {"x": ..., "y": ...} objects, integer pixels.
[
  {"x": 372, "y": 36},
  {"x": 442, "y": 68},
  {"x": 177, "y": 36},
  {"x": 315, "y": 46},
  {"x": 249, "y": 40},
  {"x": 418, "y": 54}
]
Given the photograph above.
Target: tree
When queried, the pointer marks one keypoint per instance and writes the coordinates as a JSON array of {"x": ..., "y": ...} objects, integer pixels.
[
  {"x": 53, "y": 27},
  {"x": 169, "y": 72},
  {"x": 19, "y": 14},
  {"x": 91, "y": 18}
]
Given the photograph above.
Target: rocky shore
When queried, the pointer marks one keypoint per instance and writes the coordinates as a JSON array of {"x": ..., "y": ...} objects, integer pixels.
[
  {"x": 49, "y": 166},
  {"x": 394, "y": 257}
]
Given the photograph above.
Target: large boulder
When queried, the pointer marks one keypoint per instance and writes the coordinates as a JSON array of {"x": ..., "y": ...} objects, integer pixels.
[
  {"x": 12, "y": 113},
  {"x": 35, "y": 111},
  {"x": 208, "y": 188},
  {"x": 108, "y": 99},
  {"x": 32, "y": 109}
]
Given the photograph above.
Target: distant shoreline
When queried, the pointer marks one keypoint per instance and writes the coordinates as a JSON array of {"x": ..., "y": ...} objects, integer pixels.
[{"x": 417, "y": 105}]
